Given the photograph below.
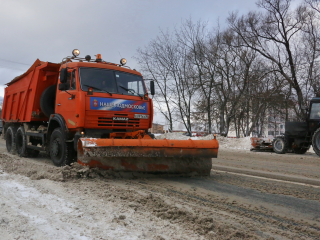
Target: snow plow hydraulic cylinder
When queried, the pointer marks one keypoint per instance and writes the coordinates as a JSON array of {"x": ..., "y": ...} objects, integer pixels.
[{"x": 149, "y": 155}]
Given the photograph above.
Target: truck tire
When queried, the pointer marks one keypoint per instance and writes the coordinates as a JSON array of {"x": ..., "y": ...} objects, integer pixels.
[
  {"x": 11, "y": 139},
  {"x": 279, "y": 145},
  {"x": 316, "y": 141},
  {"x": 21, "y": 144},
  {"x": 300, "y": 150},
  {"x": 47, "y": 100},
  {"x": 61, "y": 152}
]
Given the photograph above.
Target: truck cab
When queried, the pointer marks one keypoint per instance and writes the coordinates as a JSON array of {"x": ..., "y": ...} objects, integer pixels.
[
  {"x": 80, "y": 97},
  {"x": 99, "y": 98}
]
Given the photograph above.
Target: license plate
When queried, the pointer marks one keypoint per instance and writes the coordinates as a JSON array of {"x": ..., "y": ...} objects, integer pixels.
[{"x": 120, "y": 119}]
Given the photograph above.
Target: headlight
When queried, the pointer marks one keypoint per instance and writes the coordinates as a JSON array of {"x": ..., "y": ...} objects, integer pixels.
[
  {"x": 143, "y": 116},
  {"x": 123, "y": 61},
  {"x": 76, "y": 52}
]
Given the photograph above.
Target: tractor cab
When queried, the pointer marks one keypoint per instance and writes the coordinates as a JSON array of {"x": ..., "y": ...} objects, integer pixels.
[{"x": 314, "y": 114}]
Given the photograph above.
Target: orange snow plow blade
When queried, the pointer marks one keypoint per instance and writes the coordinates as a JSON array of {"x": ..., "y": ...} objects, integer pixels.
[
  {"x": 260, "y": 143},
  {"x": 149, "y": 155}
]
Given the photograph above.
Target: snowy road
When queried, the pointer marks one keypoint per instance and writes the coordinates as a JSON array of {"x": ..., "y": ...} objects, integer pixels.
[{"x": 40, "y": 201}]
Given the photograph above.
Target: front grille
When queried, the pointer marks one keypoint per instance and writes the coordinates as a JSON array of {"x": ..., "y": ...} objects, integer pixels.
[{"x": 108, "y": 122}]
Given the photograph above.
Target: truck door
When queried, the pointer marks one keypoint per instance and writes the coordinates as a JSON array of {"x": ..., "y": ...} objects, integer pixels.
[
  {"x": 66, "y": 100},
  {"x": 314, "y": 116}
]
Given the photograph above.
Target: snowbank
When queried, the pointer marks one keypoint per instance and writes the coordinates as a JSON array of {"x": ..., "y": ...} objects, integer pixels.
[
  {"x": 224, "y": 142},
  {"x": 235, "y": 143}
]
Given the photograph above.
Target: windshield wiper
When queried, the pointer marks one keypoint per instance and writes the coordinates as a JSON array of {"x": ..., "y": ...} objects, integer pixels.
[
  {"x": 98, "y": 89},
  {"x": 131, "y": 90}
]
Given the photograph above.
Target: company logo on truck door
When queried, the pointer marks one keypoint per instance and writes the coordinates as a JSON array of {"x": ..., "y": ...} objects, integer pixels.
[
  {"x": 111, "y": 104},
  {"x": 95, "y": 103}
]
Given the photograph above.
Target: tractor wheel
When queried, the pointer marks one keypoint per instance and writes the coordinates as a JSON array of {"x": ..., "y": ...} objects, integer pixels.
[
  {"x": 47, "y": 100},
  {"x": 21, "y": 144},
  {"x": 11, "y": 139},
  {"x": 61, "y": 152},
  {"x": 300, "y": 150},
  {"x": 279, "y": 145},
  {"x": 316, "y": 142}
]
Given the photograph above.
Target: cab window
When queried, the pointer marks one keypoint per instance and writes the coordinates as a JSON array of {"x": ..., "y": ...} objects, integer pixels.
[
  {"x": 71, "y": 81},
  {"x": 130, "y": 84},
  {"x": 99, "y": 79},
  {"x": 315, "y": 111}
]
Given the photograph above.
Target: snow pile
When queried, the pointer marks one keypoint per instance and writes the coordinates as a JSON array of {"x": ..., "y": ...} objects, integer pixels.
[
  {"x": 235, "y": 143},
  {"x": 224, "y": 142},
  {"x": 178, "y": 136}
]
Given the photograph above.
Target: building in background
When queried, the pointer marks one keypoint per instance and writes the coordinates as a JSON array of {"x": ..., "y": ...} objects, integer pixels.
[
  {"x": 275, "y": 126},
  {"x": 156, "y": 128}
]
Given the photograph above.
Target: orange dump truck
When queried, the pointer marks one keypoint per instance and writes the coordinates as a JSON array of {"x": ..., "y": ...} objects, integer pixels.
[{"x": 97, "y": 113}]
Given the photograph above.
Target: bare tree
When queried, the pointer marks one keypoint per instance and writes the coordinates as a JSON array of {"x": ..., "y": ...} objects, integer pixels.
[
  {"x": 276, "y": 35},
  {"x": 264, "y": 62},
  {"x": 314, "y": 4},
  {"x": 202, "y": 57},
  {"x": 166, "y": 61},
  {"x": 153, "y": 61},
  {"x": 310, "y": 51}
]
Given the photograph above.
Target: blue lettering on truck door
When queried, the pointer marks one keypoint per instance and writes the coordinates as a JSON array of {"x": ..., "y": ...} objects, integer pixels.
[{"x": 111, "y": 104}]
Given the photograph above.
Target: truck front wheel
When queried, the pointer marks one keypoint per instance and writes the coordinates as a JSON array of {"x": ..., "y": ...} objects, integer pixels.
[
  {"x": 11, "y": 139},
  {"x": 279, "y": 145},
  {"x": 61, "y": 152},
  {"x": 316, "y": 142}
]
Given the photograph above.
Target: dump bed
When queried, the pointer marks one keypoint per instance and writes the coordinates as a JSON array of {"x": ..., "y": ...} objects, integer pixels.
[{"x": 22, "y": 95}]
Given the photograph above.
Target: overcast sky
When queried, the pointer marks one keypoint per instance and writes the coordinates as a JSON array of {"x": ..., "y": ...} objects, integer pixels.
[{"x": 50, "y": 30}]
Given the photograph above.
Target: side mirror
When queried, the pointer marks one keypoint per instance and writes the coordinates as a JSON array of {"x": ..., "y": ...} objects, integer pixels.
[
  {"x": 152, "y": 87},
  {"x": 63, "y": 86},
  {"x": 63, "y": 75}
]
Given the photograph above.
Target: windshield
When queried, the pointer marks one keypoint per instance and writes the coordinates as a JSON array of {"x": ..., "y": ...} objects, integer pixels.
[{"x": 104, "y": 80}]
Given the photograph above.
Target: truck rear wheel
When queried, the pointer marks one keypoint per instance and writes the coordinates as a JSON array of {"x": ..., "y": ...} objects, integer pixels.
[
  {"x": 61, "y": 152},
  {"x": 11, "y": 139},
  {"x": 279, "y": 145},
  {"x": 316, "y": 142},
  {"x": 21, "y": 144}
]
